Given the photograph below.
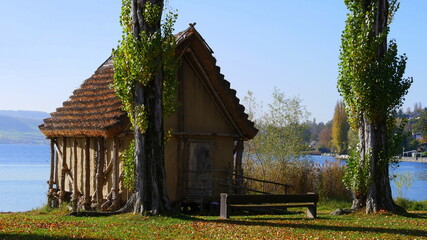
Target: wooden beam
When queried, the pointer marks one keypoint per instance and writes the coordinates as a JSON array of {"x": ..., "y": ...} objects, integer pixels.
[
  {"x": 109, "y": 168},
  {"x": 63, "y": 170},
  {"x": 95, "y": 164},
  {"x": 87, "y": 174},
  {"x": 50, "y": 192},
  {"x": 70, "y": 178},
  {"x": 238, "y": 166},
  {"x": 57, "y": 149},
  {"x": 52, "y": 164},
  {"x": 100, "y": 171},
  {"x": 115, "y": 187},
  {"x": 56, "y": 164},
  {"x": 75, "y": 197}
]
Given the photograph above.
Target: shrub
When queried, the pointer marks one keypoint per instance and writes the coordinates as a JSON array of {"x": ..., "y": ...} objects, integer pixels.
[
  {"x": 411, "y": 205},
  {"x": 303, "y": 175}
]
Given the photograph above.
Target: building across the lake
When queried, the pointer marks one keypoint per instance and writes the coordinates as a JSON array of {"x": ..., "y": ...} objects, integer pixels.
[{"x": 90, "y": 131}]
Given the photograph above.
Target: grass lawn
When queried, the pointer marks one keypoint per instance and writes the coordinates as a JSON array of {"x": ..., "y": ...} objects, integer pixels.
[{"x": 54, "y": 225}]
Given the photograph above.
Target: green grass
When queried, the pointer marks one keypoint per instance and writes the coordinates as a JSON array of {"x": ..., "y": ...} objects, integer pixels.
[
  {"x": 332, "y": 205},
  {"x": 47, "y": 224},
  {"x": 412, "y": 205}
]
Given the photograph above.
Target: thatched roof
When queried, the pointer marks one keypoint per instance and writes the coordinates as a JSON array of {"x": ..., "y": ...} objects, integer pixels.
[{"x": 94, "y": 110}]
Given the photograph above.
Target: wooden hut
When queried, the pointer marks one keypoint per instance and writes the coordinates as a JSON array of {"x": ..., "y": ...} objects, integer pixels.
[{"x": 90, "y": 131}]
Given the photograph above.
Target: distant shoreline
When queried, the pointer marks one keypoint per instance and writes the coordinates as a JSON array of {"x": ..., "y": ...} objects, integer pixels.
[
  {"x": 414, "y": 159},
  {"x": 401, "y": 159}
]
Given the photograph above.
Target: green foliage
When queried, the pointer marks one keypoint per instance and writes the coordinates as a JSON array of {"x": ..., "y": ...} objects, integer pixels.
[
  {"x": 411, "y": 205},
  {"x": 353, "y": 139},
  {"x": 356, "y": 177},
  {"x": 396, "y": 137},
  {"x": 277, "y": 152},
  {"x": 282, "y": 128},
  {"x": 421, "y": 125},
  {"x": 372, "y": 86},
  {"x": 340, "y": 129},
  {"x": 128, "y": 159},
  {"x": 134, "y": 61},
  {"x": 281, "y": 140}
]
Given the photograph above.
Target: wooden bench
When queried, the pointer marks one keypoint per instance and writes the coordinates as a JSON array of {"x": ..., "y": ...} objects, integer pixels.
[{"x": 229, "y": 201}]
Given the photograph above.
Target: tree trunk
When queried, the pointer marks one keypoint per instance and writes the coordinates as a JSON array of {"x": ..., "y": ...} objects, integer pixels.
[
  {"x": 150, "y": 179},
  {"x": 359, "y": 200},
  {"x": 379, "y": 195},
  {"x": 373, "y": 137}
]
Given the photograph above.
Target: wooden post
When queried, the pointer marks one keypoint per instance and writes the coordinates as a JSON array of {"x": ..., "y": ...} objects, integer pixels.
[
  {"x": 56, "y": 165},
  {"x": 52, "y": 169},
  {"x": 52, "y": 164},
  {"x": 75, "y": 198},
  {"x": 63, "y": 170},
  {"x": 224, "y": 206},
  {"x": 94, "y": 170},
  {"x": 115, "y": 187},
  {"x": 100, "y": 172},
  {"x": 238, "y": 166},
  {"x": 87, "y": 174}
]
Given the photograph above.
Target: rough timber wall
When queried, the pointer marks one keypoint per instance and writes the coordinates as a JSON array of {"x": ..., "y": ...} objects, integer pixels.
[
  {"x": 78, "y": 167},
  {"x": 202, "y": 111}
]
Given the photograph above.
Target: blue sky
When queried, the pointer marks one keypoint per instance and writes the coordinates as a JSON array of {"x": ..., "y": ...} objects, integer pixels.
[{"x": 49, "y": 47}]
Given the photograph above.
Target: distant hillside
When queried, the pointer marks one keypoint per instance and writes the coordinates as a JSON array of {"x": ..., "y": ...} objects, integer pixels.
[
  {"x": 25, "y": 114},
  {"x": 21, "y": 127}
]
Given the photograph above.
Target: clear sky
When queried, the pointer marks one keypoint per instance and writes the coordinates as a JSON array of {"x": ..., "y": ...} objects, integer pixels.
[{"x": 49, "y": 47}]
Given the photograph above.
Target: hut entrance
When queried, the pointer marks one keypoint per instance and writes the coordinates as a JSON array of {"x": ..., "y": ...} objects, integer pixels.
[{"x": 200, "y": 169}]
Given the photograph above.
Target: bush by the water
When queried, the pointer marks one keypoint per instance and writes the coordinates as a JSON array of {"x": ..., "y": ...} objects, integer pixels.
[
  {"x": 303, "y": 175},
  {"x": 277, "y": 152},
  {"x": 411, "y": 205}
]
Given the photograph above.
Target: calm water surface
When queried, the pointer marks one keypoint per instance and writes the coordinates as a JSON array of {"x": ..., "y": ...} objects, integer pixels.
[
  {"x": 24, "y": 171},
  {"x": 417, "y": 170}
]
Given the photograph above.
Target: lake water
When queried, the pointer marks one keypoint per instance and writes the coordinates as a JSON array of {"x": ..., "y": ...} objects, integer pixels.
[
  {"x": 24, "y": 171},
  {"x": 417, "y": 171}
]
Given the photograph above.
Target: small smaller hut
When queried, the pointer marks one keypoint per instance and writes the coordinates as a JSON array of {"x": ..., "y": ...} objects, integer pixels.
[{"x": 90, "y": 131}]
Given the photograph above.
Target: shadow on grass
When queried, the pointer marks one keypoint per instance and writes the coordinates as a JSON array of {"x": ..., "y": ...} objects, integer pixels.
[
  {"x": 415, "y": 215},
  {"x": 9, "y": 236},
  {"x": 319, "y": 227}
]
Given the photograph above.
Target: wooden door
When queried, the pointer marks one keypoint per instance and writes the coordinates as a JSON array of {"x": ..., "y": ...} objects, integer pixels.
[{"x": 200, "y": 166}]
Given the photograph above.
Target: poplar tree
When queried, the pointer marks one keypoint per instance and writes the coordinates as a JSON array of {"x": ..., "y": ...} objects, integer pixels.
[
  {"x": 372, "y": 85},
  {"x": 144, "y": 80},
  {"x": 340, "y": 128}
]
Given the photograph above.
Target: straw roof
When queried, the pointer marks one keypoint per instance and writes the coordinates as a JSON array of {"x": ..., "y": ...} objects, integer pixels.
[{"x": 94, "y": 110}]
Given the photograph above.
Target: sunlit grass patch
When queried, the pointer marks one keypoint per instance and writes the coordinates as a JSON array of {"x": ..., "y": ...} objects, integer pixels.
[{"x": 55, "y": 225}]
